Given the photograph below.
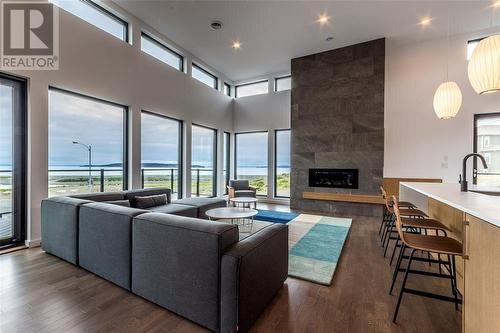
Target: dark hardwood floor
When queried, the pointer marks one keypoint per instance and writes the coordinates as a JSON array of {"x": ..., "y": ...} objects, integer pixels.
[{"x": 41, "y": 293}]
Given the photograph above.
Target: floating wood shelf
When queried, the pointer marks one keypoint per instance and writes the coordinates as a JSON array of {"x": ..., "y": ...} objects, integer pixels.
[{"x": 356, "y": 198}]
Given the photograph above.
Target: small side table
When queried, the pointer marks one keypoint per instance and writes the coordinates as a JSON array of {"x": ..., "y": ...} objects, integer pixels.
[{"x": 245, "y": 202}]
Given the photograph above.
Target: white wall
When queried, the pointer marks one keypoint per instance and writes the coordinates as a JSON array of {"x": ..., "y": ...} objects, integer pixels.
[
  {"x": 417, "y": 143},
  {"x": 268, "y": 112},
  {"x": 94, "y": 63}
]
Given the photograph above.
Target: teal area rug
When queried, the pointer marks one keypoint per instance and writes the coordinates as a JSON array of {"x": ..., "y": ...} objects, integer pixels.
[{"x": 316, "y": 244}]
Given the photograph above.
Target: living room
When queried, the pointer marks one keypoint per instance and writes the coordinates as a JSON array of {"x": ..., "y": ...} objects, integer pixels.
[{"x": 234, "y": 166}]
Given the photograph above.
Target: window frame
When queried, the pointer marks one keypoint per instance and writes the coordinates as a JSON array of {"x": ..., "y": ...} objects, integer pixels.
[
  {"x": 162, "y": 45},
  {"x": 214, "y": 181},
  {"x": 227, "y": 160},
  {"x": 216, "y": 79},
  {"x": 276, "y": 161},
  {"x": 228, "y": 89},
  {"x": 180, "y": 149},
  {"x": 110, "y": 14},
  {"x": 19, "y": 161},
  {"x": 477, "y": 116},
  {"x": 236, "y": 157},
  {"x": 276, "y": 79},
  {"x": 249, "y": 84},
  {"x": 125, "y": 142}
]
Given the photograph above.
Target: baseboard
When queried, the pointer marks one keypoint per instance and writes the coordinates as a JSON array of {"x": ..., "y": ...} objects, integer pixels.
[{"x": 33, "y": 242}]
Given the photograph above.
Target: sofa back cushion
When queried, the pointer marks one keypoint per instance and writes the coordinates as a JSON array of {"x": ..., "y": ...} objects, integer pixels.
[
  {"x": 150, "y": 201},
  {"x": 239, "y": 184},
  {"x": 101, "y": 196},
  {"x": 105, "y": 241},
  {"x": 60, "y": 227},
  {"x": 130, "y": 195},
  {"x": 176, "y": 263}
]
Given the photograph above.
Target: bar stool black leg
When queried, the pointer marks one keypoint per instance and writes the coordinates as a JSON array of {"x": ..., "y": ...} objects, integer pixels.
[
  {"x": 398, "y": 265},
  {"x": 454, "y": 281},
  {"x": 394, "y": 250},
  {"x": 403, "y": 286}
]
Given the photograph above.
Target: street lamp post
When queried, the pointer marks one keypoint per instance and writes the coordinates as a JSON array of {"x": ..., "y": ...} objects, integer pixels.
[{"x": 89, "y": 148}]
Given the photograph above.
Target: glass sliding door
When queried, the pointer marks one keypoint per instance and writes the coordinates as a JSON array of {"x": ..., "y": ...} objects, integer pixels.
[
  {"x": 12, "y": 161},
  {"x": 161, "y": 150},
  {"x": 227, "y": 160},
  {"x": 251, "y": 159},
  {"x": 282, "y": 164},
  {"x": 203, "y": 161},
  {"x": 87, "y": 144}
]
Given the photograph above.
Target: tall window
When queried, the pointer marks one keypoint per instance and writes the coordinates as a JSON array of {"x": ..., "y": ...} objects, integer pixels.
[
  {"x": 161, "y": 52},
  {"x": 251, "y": 159},
  {"x": 282, "y": 164},
  {"x": 97, "y": 16},
  {"x": 487, "y": 143},
  {"x": 204, "y": 76},
  {"x": 227, "y": 89},
  {"x": 227, "y": 160},
  {"x": 12, "y": 160},
  {"x": 203, "y": 161},
  {"x": 87, "y": 140},
  {"x": 254, "y": 88},
  {"x": 283, "y": 83},
  {"x": 161, "y": 150}
]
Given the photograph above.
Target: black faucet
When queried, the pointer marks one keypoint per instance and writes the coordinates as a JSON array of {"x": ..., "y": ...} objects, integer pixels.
[{"x": 463, "y": 179}]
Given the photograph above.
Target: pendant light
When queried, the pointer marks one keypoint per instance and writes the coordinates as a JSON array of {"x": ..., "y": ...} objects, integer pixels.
[
  {"x": 447, "y": 100},
  {"x": 448, "y": 97},
  {"x": 484, "y": 66}
]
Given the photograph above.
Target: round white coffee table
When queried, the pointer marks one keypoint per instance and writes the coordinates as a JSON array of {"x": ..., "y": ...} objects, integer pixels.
[
  {"x": 245, "y": 202},
  {"x": 239, "y": 216}
]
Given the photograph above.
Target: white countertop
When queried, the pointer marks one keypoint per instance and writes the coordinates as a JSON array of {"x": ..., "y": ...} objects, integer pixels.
[{"x": 482, "y": 206}]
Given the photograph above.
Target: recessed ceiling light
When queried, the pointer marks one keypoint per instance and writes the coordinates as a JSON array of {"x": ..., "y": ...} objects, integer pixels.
[
  {"x": 425, "y": 21},
  {"x": 216, "y": 25},
  {"x": 495, "y": 4},
  {"x": 329, "y": 38},
  {"x": 236, "y": 45},
  {"x": 323, "y": 19}
]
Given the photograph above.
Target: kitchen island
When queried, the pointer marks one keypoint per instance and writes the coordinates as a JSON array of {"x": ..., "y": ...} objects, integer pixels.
[{"x": 474, "y": 219}]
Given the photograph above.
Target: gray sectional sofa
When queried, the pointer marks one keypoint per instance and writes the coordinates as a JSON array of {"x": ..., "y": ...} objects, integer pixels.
[{"x": 170, "y": 254}]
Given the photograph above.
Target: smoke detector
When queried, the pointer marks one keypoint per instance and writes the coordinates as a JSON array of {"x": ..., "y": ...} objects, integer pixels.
[{"x": 216, "y": 25}]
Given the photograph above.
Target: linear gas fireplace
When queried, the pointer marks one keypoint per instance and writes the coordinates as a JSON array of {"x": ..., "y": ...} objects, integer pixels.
[{"x": 334, "y": 178}]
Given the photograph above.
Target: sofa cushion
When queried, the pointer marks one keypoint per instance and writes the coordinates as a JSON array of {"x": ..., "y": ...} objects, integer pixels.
[
  {"x": 202, "y": 204},
  {"x": 130, "y": 195},
  {"x": 100, "y": 196},
  {"x": 124, "y": 203},
  {"x": 239, "y": 184},
  {"x": 60, "y": 227},
  {"x": 176, "y": 264},
  {"x": 150, "y": 201},
  {"x": 105, "y": 241},
  {"x": 181, "y": 210},
  {"x": 244, "y": 193}
]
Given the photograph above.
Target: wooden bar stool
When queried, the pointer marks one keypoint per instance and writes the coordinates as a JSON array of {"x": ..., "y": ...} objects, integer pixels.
[
  {"x": 389, "y": 229},
  {"x": 441, "y": 245},
  {"x": 386, "y": 215}
]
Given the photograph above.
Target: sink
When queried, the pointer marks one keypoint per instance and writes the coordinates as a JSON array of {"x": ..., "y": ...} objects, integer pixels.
[
  {"x": 495, "y": 191},
  {"x": 486, "y": 192}
]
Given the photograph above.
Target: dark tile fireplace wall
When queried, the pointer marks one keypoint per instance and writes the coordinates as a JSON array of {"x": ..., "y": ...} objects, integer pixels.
[{"x": 338, "y": 122}]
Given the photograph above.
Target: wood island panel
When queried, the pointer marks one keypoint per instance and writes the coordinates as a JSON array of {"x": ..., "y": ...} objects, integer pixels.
[{"x": 453, "y": 219}]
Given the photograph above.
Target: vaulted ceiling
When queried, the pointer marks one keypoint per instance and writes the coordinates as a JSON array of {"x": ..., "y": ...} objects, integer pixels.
[{"x": 273, "y": 32}]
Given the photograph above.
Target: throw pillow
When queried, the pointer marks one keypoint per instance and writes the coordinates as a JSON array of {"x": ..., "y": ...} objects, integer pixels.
[{"x": 150, "y": 201}]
